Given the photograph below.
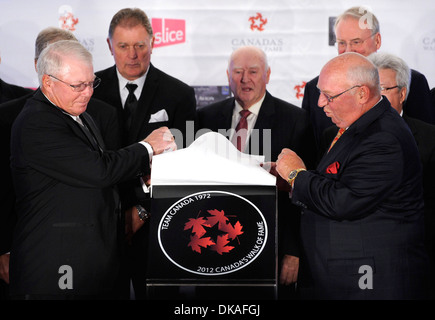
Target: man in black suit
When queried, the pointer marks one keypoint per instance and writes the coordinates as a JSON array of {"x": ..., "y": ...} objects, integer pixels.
[
  {"x": 275, "y": 124},
  {"x": 362, "y": 226},
  {"x": 157, "y": 100},
  {"x": 394, "y": 80},
  {"x": 357, "y": 30},
  {"x": 65, "y": 240},
  {"x": 104, "y": 116},
  {"x": 10, "y": 91},
  {"x": 7, "y": 92}
]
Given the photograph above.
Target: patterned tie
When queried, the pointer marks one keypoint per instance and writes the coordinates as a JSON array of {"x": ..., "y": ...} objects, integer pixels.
[
  {"x": 130, "y": 105},
  {"x": 239, "y": 138},
  {"x": 339, "y": 133}
]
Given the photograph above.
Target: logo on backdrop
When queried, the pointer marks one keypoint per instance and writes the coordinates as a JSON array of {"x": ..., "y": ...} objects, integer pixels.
[
  {"x": 299, "y": 88},
  {"x": 168, "y": 32},
  {"x": 257, "y": 22},
  {"x": 212, "y": 233},
  {"x": 428, "y": 43},
  {"x": 67, "y": 20}
]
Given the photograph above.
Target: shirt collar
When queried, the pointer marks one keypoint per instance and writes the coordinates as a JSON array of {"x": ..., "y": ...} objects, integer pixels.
[
  {"x": 139, "y": 81},
  {"x": 255, "y": 108}
]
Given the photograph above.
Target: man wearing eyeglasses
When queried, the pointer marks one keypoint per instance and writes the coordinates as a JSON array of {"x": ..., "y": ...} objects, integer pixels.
[
  {"x": 103, "y": 115},
  {"x": 362, "y": 225},
  {"x": 65, "y": 241},
  {"x": 394, "y": 80},
  {"x": 358, "y": 30}
]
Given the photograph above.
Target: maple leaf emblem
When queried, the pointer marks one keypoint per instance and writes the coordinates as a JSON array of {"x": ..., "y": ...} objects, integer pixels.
[
  {"x": 197, "y": 226},
  {"x": 220, "y": 245},
  {"x": 257, "y": 22},
  {"x": 196, "y": 243}
]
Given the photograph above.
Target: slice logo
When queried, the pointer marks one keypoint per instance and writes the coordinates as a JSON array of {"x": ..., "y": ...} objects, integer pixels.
[
  {"x": 168, "y": 31},
  {"x": 212, "y": 233}
]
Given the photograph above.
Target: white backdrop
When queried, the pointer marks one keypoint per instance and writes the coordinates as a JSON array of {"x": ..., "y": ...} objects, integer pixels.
[{"x": 294, "y": 33}]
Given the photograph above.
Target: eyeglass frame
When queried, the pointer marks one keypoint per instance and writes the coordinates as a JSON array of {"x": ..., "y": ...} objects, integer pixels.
[
  {"x": 390, "y": 88},
  {"x": 354, "y": 42},
  {"x": 75, "y": 87},
  {"x": 331, "y": 99}
]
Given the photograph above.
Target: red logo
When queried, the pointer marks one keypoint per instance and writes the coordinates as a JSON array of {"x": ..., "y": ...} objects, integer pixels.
[
  {"x": 333, "y": 168},
  {"x": 67, "y": 20},
  {"x": 168, "y": 31},
  {"x": 298, "y": 88},
  {"x": 257, "y": 22},
  {"x": 219, "y": 244}
]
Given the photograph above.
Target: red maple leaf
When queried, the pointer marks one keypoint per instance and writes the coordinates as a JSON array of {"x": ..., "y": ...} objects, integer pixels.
[
  {"x": 217, "y": 217},
  {"x": 196, "y": 243},
  {"x": 221, "y": 245},
  {"x": 233, "y": 232},
  {"x": 197, "y": 226}
]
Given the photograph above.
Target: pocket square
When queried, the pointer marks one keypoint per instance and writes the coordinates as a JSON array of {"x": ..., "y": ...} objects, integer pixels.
[
  {"x": 159, "y": 116},
  {"x": 333, "y": 168}
]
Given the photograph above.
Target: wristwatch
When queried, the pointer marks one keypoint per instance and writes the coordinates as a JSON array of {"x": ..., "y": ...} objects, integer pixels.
[
  {"x": 293, "y": 174},
  {"x": 143, "y": 214}
]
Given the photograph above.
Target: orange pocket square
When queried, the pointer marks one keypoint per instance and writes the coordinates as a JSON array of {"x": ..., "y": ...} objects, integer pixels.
[{"x": 333, "y": 168}]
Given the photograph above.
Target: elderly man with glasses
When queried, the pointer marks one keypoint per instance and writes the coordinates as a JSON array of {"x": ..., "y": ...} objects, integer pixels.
[
  {"x": 65, "y": 243},
  {"x": 358, "y": 30},
  {"x": 362, "y": 226}
]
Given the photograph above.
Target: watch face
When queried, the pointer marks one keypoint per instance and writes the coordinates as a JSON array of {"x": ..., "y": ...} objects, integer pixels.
[{"x": 292, "y": 174}]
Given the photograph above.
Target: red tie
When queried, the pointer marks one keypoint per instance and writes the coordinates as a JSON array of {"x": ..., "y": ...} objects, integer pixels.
[
  {"x": 339, "y": 133},
  {"x": 239, "y": 138}
]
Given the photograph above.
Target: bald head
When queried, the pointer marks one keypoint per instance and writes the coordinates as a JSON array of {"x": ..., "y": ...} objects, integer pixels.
[
  {"x": 353, "y": 69},
  {"x": 249, "y": 51},
  {"x": 248, "y": 74},
  {"x": 349, "y": 86}
]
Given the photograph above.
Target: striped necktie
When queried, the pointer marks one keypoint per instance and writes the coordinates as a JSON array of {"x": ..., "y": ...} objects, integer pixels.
[
  {"x": 241, "y": 133},
  {"x": 339, "y": 133}
]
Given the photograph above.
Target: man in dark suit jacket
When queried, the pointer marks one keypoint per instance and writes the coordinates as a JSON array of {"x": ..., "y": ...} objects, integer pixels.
[
  {"x": 278, "y": 124},
  {"x": 351, "y": 38},
  {"x": 65, "y": 241},
  {"x": 103, "y": 114},
  {"x": 10, "y": 91},
  {"x": 7, "y": 92},
  {"x": 161, "y": 99},
  {"x": 362, "y": 225},
  {"x": 394, "y": 80}
]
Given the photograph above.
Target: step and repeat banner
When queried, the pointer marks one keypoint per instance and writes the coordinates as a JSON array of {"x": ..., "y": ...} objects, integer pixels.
[{"x": 194, "y": 38}]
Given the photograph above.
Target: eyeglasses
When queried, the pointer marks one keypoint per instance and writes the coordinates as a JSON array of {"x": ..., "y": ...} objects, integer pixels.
[
  {"x": 354, "y": 43},
  {"x": 330, "y": 99},
  {"x": 387, "y": 89},
  {"x": 82, "y": 86}
]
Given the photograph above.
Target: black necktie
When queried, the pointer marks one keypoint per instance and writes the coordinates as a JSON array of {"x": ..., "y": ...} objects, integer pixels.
[
  {"x": 89, "y": 134},
  {"x": 130, "y": 105}
]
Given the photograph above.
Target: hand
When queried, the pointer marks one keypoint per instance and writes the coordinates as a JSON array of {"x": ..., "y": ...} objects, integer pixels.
[
  {"x": 281, "y": 184},
  {"x": 132, "y": 223},
  {"x": 4, "y": 267},
  {"x": 161, "y": 140},
  {"x": 289, "y": 270},
  {"x": 287, "y": 161}
]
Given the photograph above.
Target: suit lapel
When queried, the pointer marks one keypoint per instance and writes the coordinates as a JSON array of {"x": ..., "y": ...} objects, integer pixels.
[
  {"x": 223, "y": 121},
  {"x": 112, "y": 88},
  {"x": 265, "y": 120},
  {"x": 89, "y": 122},
  {"x": 146, "y": 98}
]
